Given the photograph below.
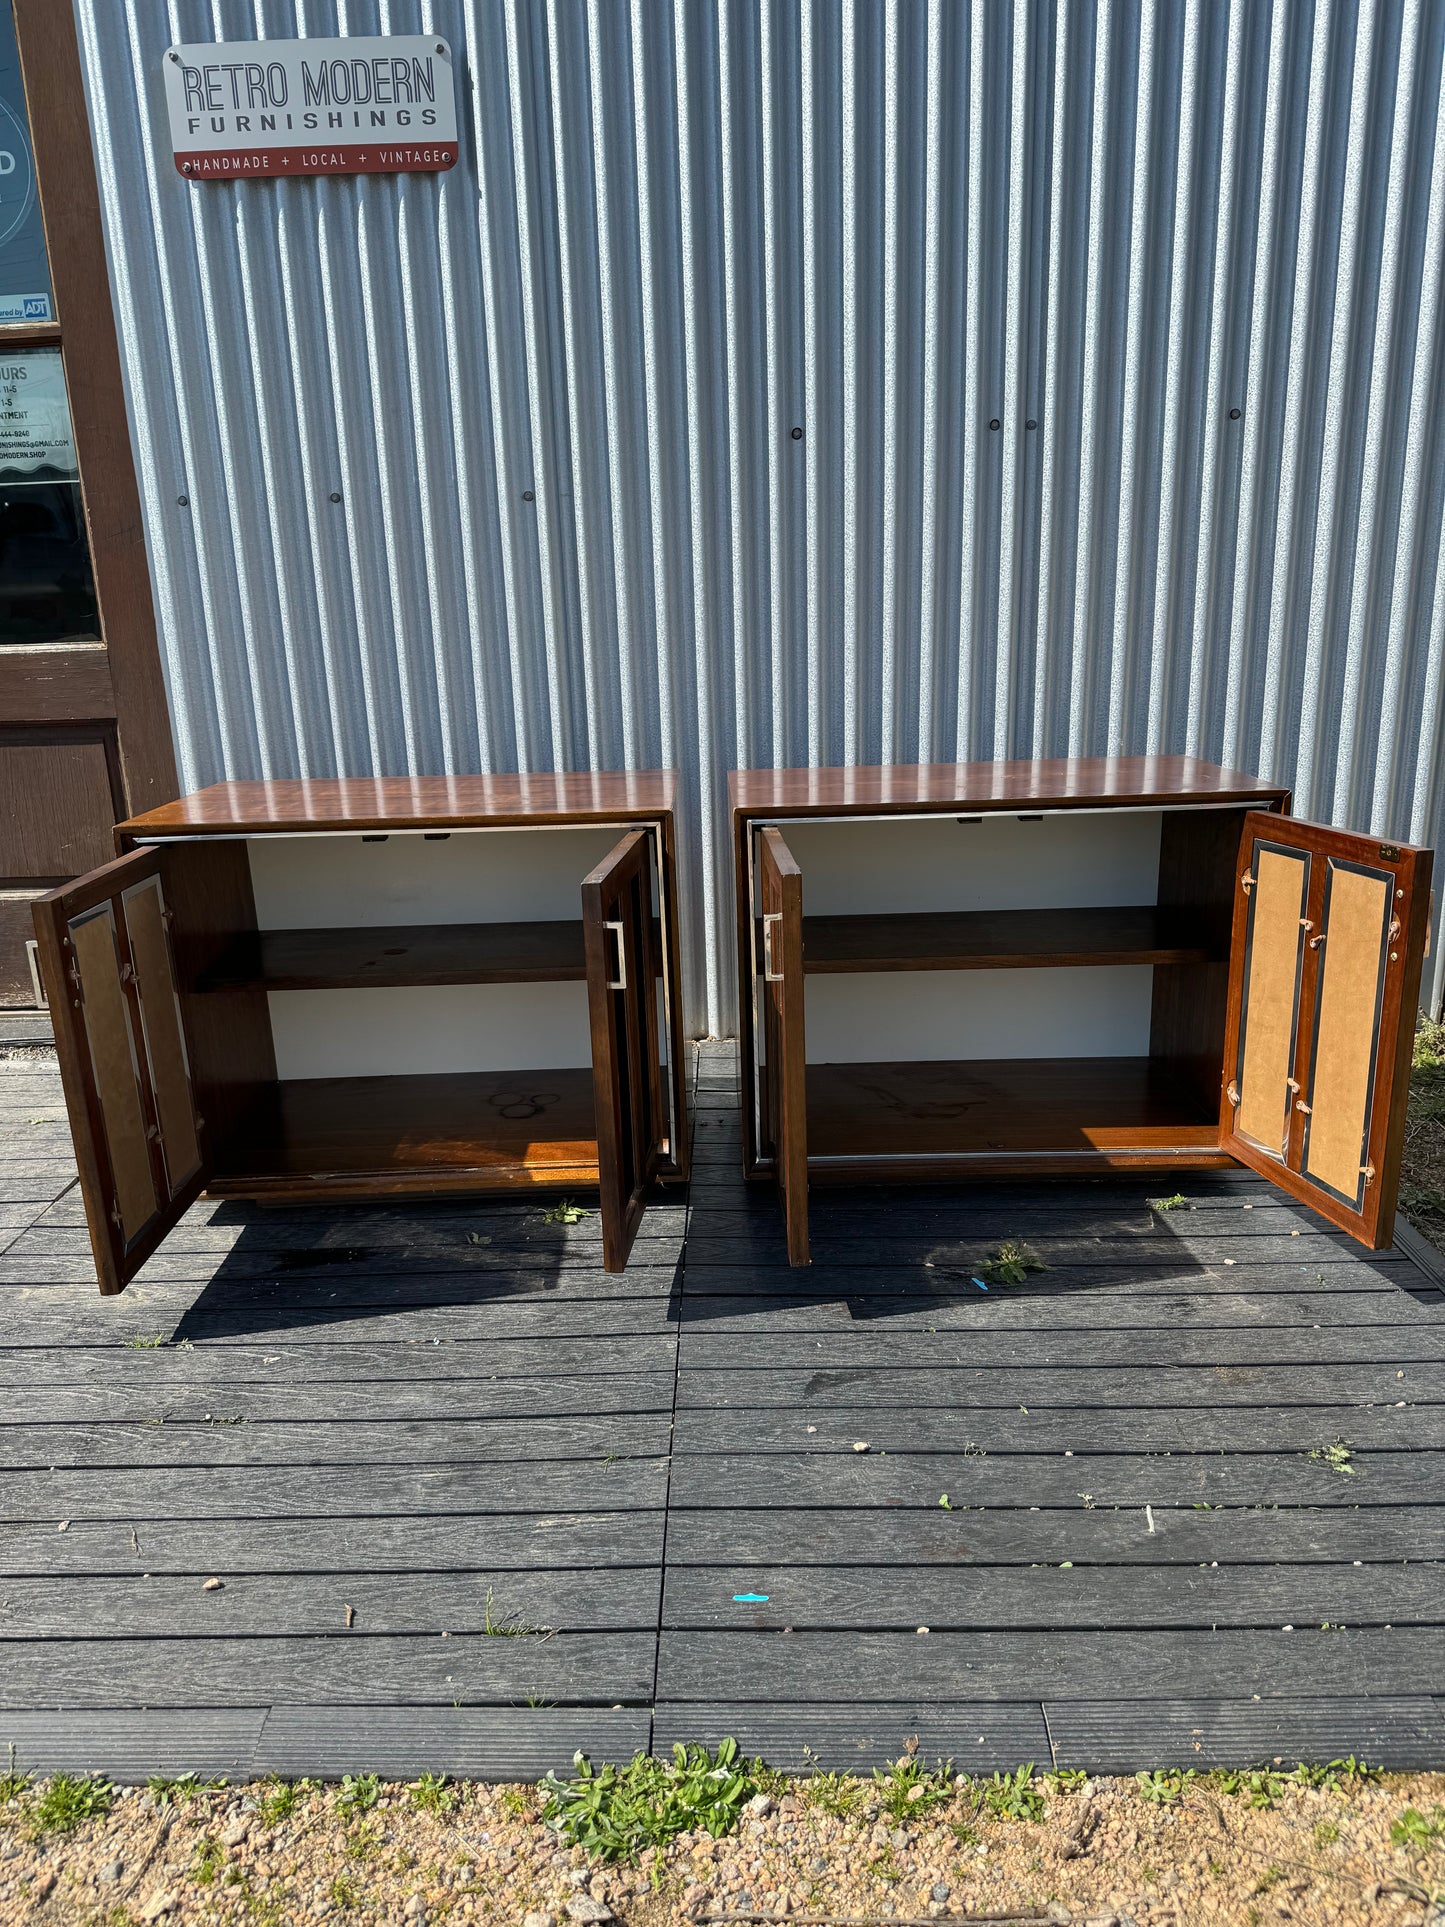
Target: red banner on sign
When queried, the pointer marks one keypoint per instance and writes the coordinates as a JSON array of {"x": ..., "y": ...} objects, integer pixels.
[{"x": 251, "y": 163}]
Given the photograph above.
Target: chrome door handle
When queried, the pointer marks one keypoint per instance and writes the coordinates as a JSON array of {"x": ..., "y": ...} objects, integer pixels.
[
  {"x": 770, "y": 976},
  {"x": 621, "y": 980}
]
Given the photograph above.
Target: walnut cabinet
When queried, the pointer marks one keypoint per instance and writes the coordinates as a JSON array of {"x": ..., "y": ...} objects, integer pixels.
[
  {"x": 364, "y": 989},
  {"x": 1083, "y": 966}
]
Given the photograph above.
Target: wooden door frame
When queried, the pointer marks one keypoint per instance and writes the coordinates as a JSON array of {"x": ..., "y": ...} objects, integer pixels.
[{"x": 120, "y": 679}]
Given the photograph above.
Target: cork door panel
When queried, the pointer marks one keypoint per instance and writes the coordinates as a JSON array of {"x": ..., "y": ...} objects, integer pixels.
[
  {"x": 1273, "y": 961},
  {"x": 780, "y": 965},
  {"x": 617, "y": 929},
  {"x": 105, "y": 956},
  {"x": 1329, "y": 937}
]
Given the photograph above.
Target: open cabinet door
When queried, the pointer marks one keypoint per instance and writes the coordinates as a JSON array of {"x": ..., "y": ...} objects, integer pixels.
[
  {"x": 619, "y": 940},
  {"x": 785, "y": 1083},
  {"x": 106, "y": 960},
  {"x": 1329, "y": 936}
]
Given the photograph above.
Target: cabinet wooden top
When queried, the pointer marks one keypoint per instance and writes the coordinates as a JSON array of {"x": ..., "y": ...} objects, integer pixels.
[
  {"x": 424, "y": 802},
  {"x": 1049, "y": 783}
]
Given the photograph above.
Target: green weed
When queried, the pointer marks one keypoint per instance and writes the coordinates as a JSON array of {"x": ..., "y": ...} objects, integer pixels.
[
  {"x": 1177, "y": 1203},
  {"x": 1013, "y": 1796},
  {"x": 1165, "y": 1786},
  {"x": 613, "y": 1814},
  {"x": 1271, "y": 1877},
  {"x": 1326, "y": 1833},
  {"x": 146, "y": 1341},
  {"x": 1414, "y": 1831},
  {"x": 1429, "y": 1053},
  {"x": 1011, "y": 1262},
  {"x": 1065, "y": 1779},
  {"x": 566, "y": 1213},
  {"x": 210, "y": 1859},
  {"x": 344, "y": 1891},
  {"x": 1334, "y": 1776},
  {"x": 431, "y": 1793},
  {"x": 14, "y": 1785},
  {"x": 281, "y": 1798},
  {"x": 1338, "y": 1456},
  {"x": 64, "y": 1803},
  {"x": 520, "y": 1802},
  {"x": 1260, "y": 1786},
  {"x": 359, "y": 1793},
  {"x": 179, "y": 1791},
  {"x": 838, "y": 1794},
  {"x": 910, "y": 1787}
]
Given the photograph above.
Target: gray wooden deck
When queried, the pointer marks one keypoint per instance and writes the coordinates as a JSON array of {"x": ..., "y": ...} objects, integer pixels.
[{"x": 387, "y": 1430}]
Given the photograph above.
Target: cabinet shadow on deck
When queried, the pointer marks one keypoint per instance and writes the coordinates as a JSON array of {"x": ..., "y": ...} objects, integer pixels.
[{"x": 295, "y": 1268}]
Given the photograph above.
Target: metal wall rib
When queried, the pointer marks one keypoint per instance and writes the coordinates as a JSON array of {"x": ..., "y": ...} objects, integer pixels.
[{"x": 1111, "y": 328}]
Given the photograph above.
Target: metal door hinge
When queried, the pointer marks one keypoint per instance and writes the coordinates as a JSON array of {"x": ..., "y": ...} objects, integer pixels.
[
  {"x": 1315, "y": 942},
  {"x": 1300, "y": 1105},
  {"x": 1293, "y": 1083},
  {"x": 1246, "y": 882},
  {"x": 1231, "y": 1091},
  {"x": 1390, "y": 852},
  {"x": 1367, "y": 1172}
]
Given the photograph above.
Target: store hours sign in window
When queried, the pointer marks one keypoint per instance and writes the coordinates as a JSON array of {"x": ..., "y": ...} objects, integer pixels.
[
  {"x": 24, "y": 272},
  {"x": 47, "y": 591}
]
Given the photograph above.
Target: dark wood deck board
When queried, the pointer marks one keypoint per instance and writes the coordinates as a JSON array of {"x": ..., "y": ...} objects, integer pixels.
[{"x": 305, "y": 1440}]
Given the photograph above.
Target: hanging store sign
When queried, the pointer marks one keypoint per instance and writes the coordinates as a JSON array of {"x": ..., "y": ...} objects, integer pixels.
[{"x": 243, "y": 109}]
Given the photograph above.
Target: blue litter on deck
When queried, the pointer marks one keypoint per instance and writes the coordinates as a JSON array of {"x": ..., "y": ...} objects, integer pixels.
[
  {"x": 750, "y": 1599},
  {"x": 981, "y": 1285}
]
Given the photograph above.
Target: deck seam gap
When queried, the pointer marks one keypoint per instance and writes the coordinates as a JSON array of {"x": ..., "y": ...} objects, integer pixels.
[{"x": 672, "y": 1422}]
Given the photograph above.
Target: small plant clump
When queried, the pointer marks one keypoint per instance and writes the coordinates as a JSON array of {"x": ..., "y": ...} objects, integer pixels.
[
  {"x": 279, "y": 1799},
  {"x": 836, "y": 1794},
  {"x": 1065, "y": 1779},
  {"x": 615, "y": 1813},
  {"x": 1165, "y": 1786},
  {"x": 179, "y": 1791},
  {"x": 431, "y": 1793},
  {"x": 65, "y": 1802},
  {"x": 1177, "y": 1203},
  {"x": 147, "y": 1341},
  {"x": 210, "y": 1859},
  {"x": 1013, "y": 1796},
  {"x": 1338, "y": 1456},
  {"x": 1011, "y": 1262},
  {"x": 1415, "y": 1831},
  {"x": 910, "y": 1787},
  {"x": 359, "y": 1793},
  {"x": 567, "y": 1212}
]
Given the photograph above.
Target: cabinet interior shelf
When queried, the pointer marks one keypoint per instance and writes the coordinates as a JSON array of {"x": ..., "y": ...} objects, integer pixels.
[
  {"x": 1068, "y": 1105},
  {"x": 470, "y": 1130},
  {"x": 396, "y": 954},
  {"x": 1002, "y": 939}
]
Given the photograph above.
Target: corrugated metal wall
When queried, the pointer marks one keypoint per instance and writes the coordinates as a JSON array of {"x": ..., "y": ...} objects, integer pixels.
[{"x": 782, "y": 382}]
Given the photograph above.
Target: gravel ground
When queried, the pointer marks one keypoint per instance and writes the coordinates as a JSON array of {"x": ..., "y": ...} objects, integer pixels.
[{"x": 1101, "y": 1853}]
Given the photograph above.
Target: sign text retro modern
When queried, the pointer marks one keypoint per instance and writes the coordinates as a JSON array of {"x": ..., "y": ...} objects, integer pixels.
[{"x": 366, "y": 105}]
